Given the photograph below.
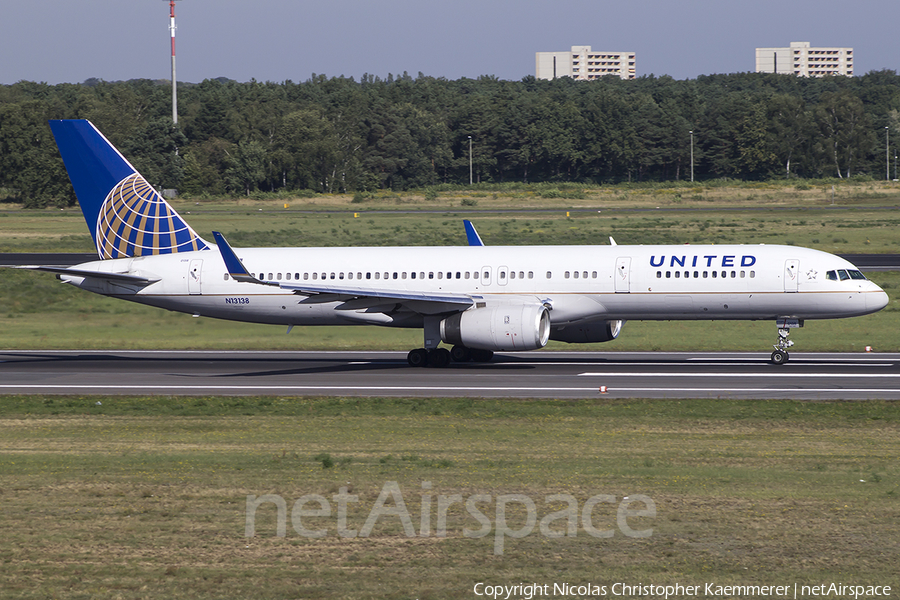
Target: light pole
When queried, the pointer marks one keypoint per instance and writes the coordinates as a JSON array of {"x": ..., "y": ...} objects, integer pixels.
[
  {"x": 887, "y": 153},
  {"x": 692, "y": 155},
  {"x": 470, "y": 160}
]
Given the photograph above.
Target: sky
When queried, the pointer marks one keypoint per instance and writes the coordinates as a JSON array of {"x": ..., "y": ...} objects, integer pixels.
[{"x": 57, "y": 41}]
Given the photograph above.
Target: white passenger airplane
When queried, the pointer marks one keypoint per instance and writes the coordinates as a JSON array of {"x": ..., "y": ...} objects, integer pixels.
[{"x": 479, "y": 299}]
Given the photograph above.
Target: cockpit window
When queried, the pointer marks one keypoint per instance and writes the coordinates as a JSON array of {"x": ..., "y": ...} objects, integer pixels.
[{"x": 844, "y": 275}]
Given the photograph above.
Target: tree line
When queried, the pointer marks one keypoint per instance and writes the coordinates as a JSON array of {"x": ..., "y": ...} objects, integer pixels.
[{"x": 341, "y": 135}]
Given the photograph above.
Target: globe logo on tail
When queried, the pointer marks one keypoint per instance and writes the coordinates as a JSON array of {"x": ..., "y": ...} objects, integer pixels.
[{"x": 135, "y": 220}]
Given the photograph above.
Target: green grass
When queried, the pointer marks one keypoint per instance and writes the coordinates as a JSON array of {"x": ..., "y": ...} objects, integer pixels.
[
  {"x": 146, "y": 497},
  {"x": 862, "y": 219}
]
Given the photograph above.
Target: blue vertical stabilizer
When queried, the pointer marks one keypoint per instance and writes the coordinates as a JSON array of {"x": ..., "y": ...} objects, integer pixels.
[{"x": 124, "y": 214}]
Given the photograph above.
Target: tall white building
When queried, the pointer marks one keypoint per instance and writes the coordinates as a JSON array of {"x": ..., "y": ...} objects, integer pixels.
[
  {"x": 802, "y": 60},
  {"x": 584, "y": 64}
]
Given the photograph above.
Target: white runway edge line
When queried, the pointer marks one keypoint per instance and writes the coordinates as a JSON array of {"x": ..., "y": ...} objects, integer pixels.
[
  {"x": 757, "y": 375},
  {"x": 281, "y": 388},
  {"x": 322, "y": 388}
]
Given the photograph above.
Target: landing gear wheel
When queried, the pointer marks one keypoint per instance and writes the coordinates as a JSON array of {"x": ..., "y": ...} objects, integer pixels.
[
  {"x": 779, "y": 357},
  {"x": 417, "y": 357},
  {"x": 439, "y": 357},
  {"x": 460, "y": 354}
]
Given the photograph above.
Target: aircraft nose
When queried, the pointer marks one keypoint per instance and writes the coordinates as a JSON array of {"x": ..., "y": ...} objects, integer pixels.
[{"x": 876, "y": 300}]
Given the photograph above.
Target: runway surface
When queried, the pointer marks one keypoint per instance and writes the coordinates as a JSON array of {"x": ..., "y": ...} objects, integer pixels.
[{"x": 807, "y": 376}]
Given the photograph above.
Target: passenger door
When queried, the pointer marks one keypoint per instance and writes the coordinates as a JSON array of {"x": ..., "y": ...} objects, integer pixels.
[
  {"x": 623, "y": 275},
  {"x": 194, "y": 272},
  {"x": 791, "y": 275}
]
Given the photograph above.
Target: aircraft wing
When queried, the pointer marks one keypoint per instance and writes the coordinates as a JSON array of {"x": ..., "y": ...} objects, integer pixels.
[{"x": 440, "y": 301}]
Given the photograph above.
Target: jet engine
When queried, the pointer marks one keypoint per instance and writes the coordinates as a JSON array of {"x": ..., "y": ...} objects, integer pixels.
[
  {"x": 586, "y": 333},
  {"x": 505, "y": 328}
]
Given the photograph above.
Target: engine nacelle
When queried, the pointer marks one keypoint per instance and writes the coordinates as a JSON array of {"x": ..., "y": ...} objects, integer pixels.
[
  {"x": 586, "y": 333},
  {"x": 505, "y": 328}
]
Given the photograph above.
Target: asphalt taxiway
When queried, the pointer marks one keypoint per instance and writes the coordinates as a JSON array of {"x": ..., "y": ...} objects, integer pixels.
[{"x": 808, "y": 376}]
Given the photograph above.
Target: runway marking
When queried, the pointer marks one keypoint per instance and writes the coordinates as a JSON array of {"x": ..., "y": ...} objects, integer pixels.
[
  {"x": 357, "y": 388},
  {"x": 863, "y": 362},
  {"x": 758, "y": 375},
  {"x": 709, "y": 362},
  {"x": 339, "y": 388}
]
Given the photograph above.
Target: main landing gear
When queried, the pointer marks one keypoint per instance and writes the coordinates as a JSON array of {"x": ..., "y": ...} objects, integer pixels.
[
  {"x": 780, "y": 355},
  {"x": 432, "y": 356},
  {"x": 441, "y": 357}
]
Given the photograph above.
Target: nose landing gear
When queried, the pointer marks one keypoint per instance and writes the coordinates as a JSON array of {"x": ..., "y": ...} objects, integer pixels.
[{"x": 780, "y": 355}]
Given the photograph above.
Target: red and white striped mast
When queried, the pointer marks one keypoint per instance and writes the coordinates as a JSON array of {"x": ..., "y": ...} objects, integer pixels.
[{"x": 174, "y": 87}]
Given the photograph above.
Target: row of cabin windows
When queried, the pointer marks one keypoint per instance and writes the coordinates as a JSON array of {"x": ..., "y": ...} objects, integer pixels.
[
  {"x": 398, "y": 275},
  {"x": 705, "y": 274},
  {"x": 487, "y": 275}
]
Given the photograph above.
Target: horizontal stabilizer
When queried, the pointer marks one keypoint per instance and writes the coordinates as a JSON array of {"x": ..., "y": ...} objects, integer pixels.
[{"x": 113, "y": 277}]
